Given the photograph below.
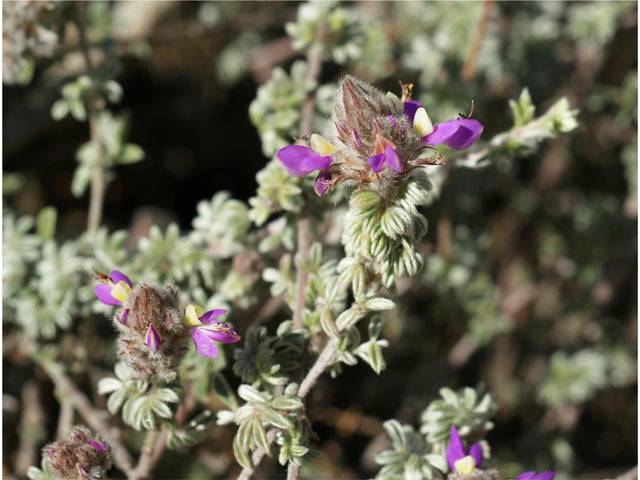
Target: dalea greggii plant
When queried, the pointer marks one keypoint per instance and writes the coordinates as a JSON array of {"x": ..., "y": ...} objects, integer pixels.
[{"x": 224, "y": 350}]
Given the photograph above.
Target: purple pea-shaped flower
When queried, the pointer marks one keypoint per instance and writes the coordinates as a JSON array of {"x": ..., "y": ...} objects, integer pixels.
[
  {"x": 113, "y": 289},
  {"x": 206, "y": 330},
  {"x": 458, "y": 133},
  {"x": 459, "y": 459},
  {"x": 300, "y": 161}
]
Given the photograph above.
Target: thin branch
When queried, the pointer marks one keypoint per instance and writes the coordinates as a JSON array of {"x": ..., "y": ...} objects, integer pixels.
[
  {"x": 93, "y": 416},
  {"x": 314, "y": 65},
  {"x": 94, "y": 106},
  {"x": 32, "y": 424},
  {"x": 469, "y": 69},
  {"x": 65, "y": 419},
  {"x": 324, "y": 361}
]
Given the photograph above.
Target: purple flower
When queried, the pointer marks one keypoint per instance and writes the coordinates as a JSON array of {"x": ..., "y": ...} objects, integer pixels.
[
  {"x": 459, "y": 133},
  {"x": 385, "y": 153},
  {"x": 152, "y": 338},
  {"x": 113, "y": 289},
  {"x": 458, "y": 459},
  {"x": 206, "y": 330},
  {"x": 300, "y": 161},
  {"x": 531, "y": 475}
]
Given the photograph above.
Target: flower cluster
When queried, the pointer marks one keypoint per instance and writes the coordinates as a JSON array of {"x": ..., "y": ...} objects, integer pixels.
[
  {"x": 79, "y": 455},
  {"x": 374, "y": 138},
  {"x": 153, "y": 333}
]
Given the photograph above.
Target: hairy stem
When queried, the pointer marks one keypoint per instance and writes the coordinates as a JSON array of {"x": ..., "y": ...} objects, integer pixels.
[
  {"x": 32, "y": 423},
  {"x": 314, "y": 63},
  {"x": 324, "y": 360},
  {"x": 94, "y": 106}
]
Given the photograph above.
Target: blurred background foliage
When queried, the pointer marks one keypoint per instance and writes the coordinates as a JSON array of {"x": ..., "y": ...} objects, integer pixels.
[{"x": 529, "y": 287}]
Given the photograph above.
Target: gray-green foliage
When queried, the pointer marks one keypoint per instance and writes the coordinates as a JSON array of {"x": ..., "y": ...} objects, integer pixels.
[
  {"x": 142, "y": 404},
  {"x": 409, "y": 458},
  {"x": 275, "y": 112},
  {"x": 262, "y": 411},
  {"x": 267, "y": 360},
  {"x": 575, "y": 378},
  {"x": 468, "y": 409}
]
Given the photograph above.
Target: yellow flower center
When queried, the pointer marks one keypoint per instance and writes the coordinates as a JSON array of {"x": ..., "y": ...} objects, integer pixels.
[
  {"x": 121, "y": 291},
  {"x": 322, "y": 145},
  {"x": 422, "y": 123},
  {"x": 465, "y": 465},
  {"x": 192, "y": 315}
]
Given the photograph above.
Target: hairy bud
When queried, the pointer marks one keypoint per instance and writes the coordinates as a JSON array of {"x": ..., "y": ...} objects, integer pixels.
[
  {"x": 154, "y": 339},
  {"x": 80, "y": 455}
]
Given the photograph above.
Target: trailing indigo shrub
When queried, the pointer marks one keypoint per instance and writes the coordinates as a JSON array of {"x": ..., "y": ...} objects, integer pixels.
[{"x": 354, "y": 247}]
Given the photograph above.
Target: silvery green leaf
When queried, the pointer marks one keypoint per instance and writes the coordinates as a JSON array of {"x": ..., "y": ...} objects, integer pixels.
[
  {"x": 250, "y": 394},
  {"x": 242, "y": 455},
  {"x": 277, "y": 419},
  {"x": 108, "y": 385},
  {"x": 167, "y": 395},
  {"x": 379, "y": 304},
  {"x": 287, "y": 403},
  {"x": 260, "y": 436}
]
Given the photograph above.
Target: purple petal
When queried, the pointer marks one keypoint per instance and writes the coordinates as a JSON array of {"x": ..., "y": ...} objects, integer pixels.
[
  {"x": 101, "y": 447},
  {"x": 103, "y": 292},
  {"x": 410, "y": 108},
  {"x": 322, "y": 183},
  {"x": 152, "y": 339},
  {"x": 393, "y": 160},
  {"x": 211, "y": 315},
  {"x": 377, "y": 162},
  {"x": 455, "y": 449},
  {"x": 393, "y": 121},
  {"x": 441, "y": 132},
  {"x": 526, "y": 475},
  {"x": 118, "y": 276},
  {"x": 458, "y": 134},
  {"x": 476, "y": 452},
  {"x": 124, "y": 316},
  {"x": 220, "y": 332},
  {"x": 546, "y": 475},
  {"x": 205, "y": 345},
  {"x": 300, "y": 161}
]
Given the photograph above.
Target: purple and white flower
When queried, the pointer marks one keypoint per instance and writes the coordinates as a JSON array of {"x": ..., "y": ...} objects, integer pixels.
[
  {"x": 458, "y": 133},
  {"x": 462, "y": 461},
  {"x": 300, "y": 161},
  {"x": 113, "y": 289},
  {"x": 206, "y": 330}
]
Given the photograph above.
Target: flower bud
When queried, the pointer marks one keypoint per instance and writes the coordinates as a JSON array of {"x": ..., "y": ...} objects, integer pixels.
[
  {"x": 154, "y": 339},
  {"x": 80, "y": 455}
]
